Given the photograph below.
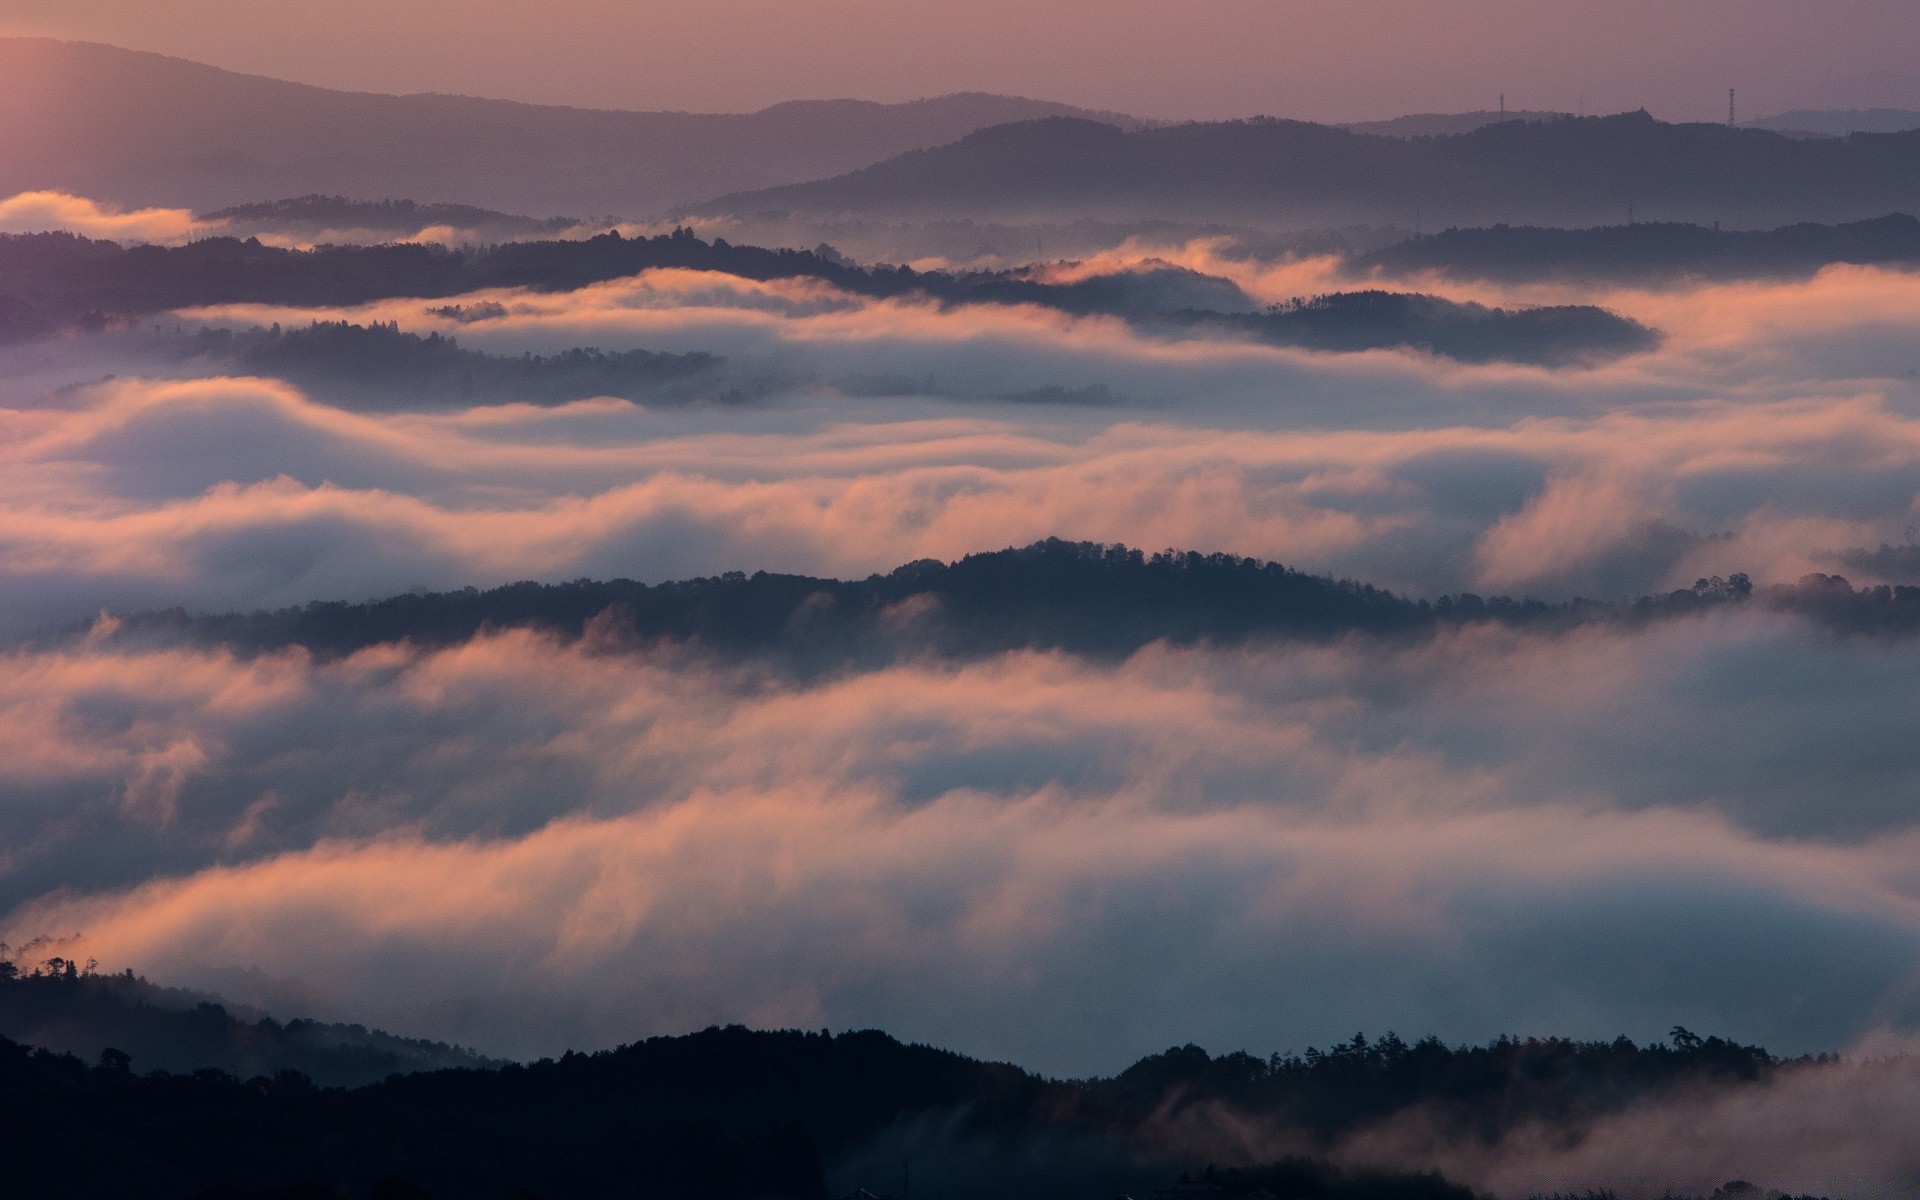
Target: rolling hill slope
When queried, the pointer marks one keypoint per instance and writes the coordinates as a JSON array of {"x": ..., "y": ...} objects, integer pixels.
[
  {"x": 144, "y": 129},
  {"x": 1581, "y": 171}
]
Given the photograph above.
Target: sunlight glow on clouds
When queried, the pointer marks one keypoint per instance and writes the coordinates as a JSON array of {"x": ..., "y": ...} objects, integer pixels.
[
  {"x": 532, "y": 845},
  {"x": 35, "y": 212},
  {"x": 529, "y": 846}
]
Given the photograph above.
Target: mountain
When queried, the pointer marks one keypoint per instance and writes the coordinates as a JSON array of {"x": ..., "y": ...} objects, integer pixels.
[
  {"x": 144, "y": 129},
  {"x": 1445, "y": 124},
  {"x": 1839, "y": 122},
  {"x": 1578, "y": 171},
  {"x": 167, "y": 1029}
]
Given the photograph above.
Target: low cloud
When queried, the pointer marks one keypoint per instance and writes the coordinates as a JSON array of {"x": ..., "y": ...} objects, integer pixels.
[
  {"x": 527, "y": 846},
  {"x": 243, "y": 493},
  {"x": 37, "y": 212}
]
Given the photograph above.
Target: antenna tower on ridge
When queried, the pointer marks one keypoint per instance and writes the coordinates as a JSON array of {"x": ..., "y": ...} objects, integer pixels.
[{"x": 1730, "y": 112}]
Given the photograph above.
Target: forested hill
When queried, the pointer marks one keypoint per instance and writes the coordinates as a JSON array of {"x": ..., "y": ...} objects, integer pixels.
[
  {"x": 62, "y": 1008},
  {"x": 380, "y": 368},
  {"x": 324, "y": 215},
  {"x": 53, "y": 283},
  {"x": 1575, "y": 171},
  {"x": 730, "y": 1114},
  {"x": 1077, "y": 596},
  {"x": 1651, "y": 252}
]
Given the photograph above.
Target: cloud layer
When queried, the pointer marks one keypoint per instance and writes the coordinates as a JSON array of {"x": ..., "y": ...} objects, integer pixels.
[{"x": 529, "y": 846}]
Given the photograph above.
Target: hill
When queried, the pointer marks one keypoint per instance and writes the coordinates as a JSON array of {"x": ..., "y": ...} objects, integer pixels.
[
  {"x": 377, "y": 367},
  {"x": 1081, "y": 597},
  {"x": 1839, "y": 122},
  {"x": 1446, "y": 124},
  {"x": 52, "y": 283},
  {"x": 145, "y": 129},
  {"x": 338, "y": 218},
  {"x": 733, "y": 1114},
  {"x": 166, "y": 1029},
  {"x": 1651, "y": 251},
  {"x": 1581, "y": 171}
]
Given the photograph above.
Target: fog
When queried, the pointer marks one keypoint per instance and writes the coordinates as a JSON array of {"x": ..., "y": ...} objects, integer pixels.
[
  {"x": 1772, "y": 432},
  {"x": 527, "y": 847},
  {"x": 530, "y": 844}
]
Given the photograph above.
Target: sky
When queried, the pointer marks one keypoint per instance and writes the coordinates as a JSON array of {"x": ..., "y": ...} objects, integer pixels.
[{"x": 1361, "y": 59}]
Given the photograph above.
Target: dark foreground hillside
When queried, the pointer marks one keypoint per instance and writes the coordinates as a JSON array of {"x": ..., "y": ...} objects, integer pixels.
[
  {"x": 1076, "y": 596},
  {"x": 731, "y": 1114}
]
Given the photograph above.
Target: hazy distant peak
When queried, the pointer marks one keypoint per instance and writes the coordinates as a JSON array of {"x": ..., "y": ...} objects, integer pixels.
[
  {"x": 143, "y": 129},
  {"x": 987, "y": 108}
]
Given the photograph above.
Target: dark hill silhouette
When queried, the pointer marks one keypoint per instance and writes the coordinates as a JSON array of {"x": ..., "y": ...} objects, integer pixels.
[
  {"x": 1580, "y": 171},
  {"x": 1077, "y": 596},
  {"x": 142, "y": 128},
  {"x": 1559, "y": 336},
  {"x": 57, "y": 282},
  {"x": 1839, "y": 122},
  {"x": 378, "y": 367},
  {"x": 63, "y": 1008},
  {"x": 732, "y": 1114},
  {"x": 318, "y": 215},
  {"x": 1651, "y": 252},
  {"x": 1441, "y": 124},
  {"x": 1053, "y": 594}
]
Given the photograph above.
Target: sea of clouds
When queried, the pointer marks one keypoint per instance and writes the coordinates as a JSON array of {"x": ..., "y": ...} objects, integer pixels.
[{"x": 527, "y": 845}]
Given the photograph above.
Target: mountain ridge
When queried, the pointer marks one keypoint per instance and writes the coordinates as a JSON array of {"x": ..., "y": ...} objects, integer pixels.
[
  {"x": 1574, "y": 171},
  {"x": 140, "y": 128}
]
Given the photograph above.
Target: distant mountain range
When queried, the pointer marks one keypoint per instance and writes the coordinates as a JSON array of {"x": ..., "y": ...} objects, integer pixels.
[
  {"x": 1580, "y": 171},
  {"x": 1839, "y": 122},
  {"x": 145, "y": 129}
]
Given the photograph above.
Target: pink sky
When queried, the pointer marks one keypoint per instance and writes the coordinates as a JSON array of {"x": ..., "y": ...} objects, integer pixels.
[{"x": 1202, "y": 58}]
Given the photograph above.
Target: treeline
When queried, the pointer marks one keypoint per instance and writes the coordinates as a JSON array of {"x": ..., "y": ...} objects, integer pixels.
[
  {"x": 731, "y": 1114},
  {"x": 66, "y": 1006},
  {"x": 1471, "y": 1091},
  {"x": 55, "y": 282},
  {"x": 1651, "y": 252},
  {"x": 1052, "y": 594},
  {"x": 1557, "y": 336},
  {"x": 379, "y": 366},
  {"x": 1077, "y": 596},
  {"x": 401, "y": 218}
]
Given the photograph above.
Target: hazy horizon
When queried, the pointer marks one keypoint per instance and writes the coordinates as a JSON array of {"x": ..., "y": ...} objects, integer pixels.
[{"x": 1213, "y": 59}]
